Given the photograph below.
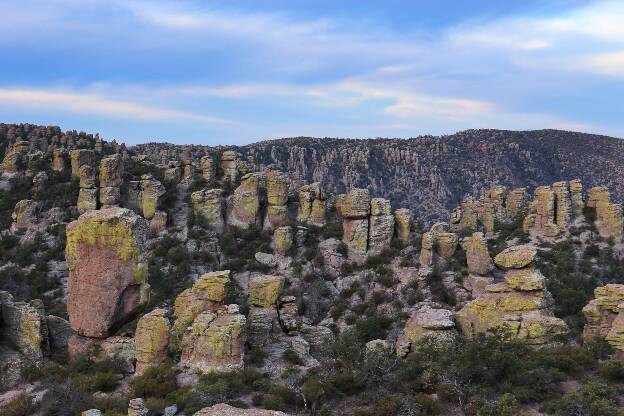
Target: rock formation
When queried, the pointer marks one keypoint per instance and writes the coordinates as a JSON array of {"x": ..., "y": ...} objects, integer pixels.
[
  {"x": 403, "y": 221},
  {"x": 25, "y": 215},
  {"x": 151, "y": 338},
  {"x": 208, "y": 168},
  {"x": 381, "y": 225},
  {"x": 208, "y": 208},
  {"x": 438, "y": 241},
  {"x": 265, "y": 290},
  {"x": 245, "y": 205},
  {"x": 59, "y": 160},
  {"x": 541, "y": 218},
  {"x": 563, "y": 204},
  {"x": 215, "y": 342},
  {"x": 477, "y": 255},
  {"x": 516, "y": 203},
  {"x": 223, "y": 409},
  {"x": 312, "y": 205},
  {"x": 107, "y": 282},
  {"x": 229, "y": 165},
  {"x": 282, "y": 240},
  {"x": 15, "y": 159},
  {"x": 520, "y": 305},
  {"x": 206, "y": 294},
  {"x": 88, "y": 194},
  {"x": 277, "y": 184},
  {"x": 608, "y": 216},
  {"x": 151, "y": 192},
  {"x": 110, "y": 180},
  {"x": 79, "y": 158},
  {"x": 355, "y": 209},
  {"x": 604, "y": 316},
  {"x": 426, "y": 321}
]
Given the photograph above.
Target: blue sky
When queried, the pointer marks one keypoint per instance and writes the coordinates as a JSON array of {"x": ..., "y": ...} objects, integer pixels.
[{"x": 235, "y": 72}]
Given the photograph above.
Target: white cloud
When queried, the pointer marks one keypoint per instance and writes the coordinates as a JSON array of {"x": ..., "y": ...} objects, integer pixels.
[
  {"x": 607, "y": 63},
  {"x": 87, "y": 103}
]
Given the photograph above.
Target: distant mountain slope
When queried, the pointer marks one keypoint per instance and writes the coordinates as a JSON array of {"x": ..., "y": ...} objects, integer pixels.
[{"x": 431, "y": 174}]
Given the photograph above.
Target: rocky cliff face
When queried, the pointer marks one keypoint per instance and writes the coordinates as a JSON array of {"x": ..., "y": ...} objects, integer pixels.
[{"x": 431, "y": 174}]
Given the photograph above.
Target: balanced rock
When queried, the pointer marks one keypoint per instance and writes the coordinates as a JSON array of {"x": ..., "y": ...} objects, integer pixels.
[
  {"x": 206, "y": 294},
  {"x": 87, "y": 200},
  {"x": 87, "y": 176},
  {"x": 265, "y": 290},
  {"x": 107, "y": 282},
  {"x": 151, "y": 192},
  {"x": 516, "y": 257},
  {"x": 151, "y": 339},
  {"x": 312, "y": 204},
  {"x": 81, "y": 157},
  {"x": 110, "y": 171},
  {"x": 208, "y": 168},
  {"x": 229, "y": 164},
  {"x": 215, "y": 341}
]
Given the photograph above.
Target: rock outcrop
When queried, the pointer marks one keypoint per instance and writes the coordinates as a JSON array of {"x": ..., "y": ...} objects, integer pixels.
[
  {"x": 282, "y": 240},
  {"x": 215, "y": 342},
  {"x": 437, "y": 242},
  {"x": 426, "y": 321},
  {"x": 355, "y": 209},
  {"x": 608, "y": 216},
  {"x": 520, "y": 305},
  {"x": 208, "y": 168},
  {"x": 312, "y": 205},
  {"x": 265, "y": 290},
  {"x": 403, "y": 221},
  {"x": 151, "y": 192},
  {"x": 151, "y": 339},
  {"x": 477, "y": 255},
  {"x": 107, "y": 283},
  {"x": 277, "y": 184},
  {"x": 110, "y": 180},
  {"x": 245, "y": 205},
  {"x": 206, "y": 294},
  {"x": 208, "y": 208},
  {"x": 229, "y": 165},
  {"x": 381, "y": 225},
  {"x": 604, "y": 316}
]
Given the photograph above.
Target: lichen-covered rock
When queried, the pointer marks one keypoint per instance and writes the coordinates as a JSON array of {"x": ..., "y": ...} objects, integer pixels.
[
  {"x": 312, "y": 205},
  {"x": 151, "y": 339},
  {"x": 151, "y": 192},
  {"x": 381, "y": 225},
  {"x": 355, "y": 235},
  {"x": 173, "y": 172},
  {"x": 188, "y": 168},
  {"x": 277, "y": 184},
  {"x": 601, "y": 311},
  {"x": 25, "y": 215},
  {"x": 87, "y": 177},
  {"x": 107, "y": 282},
  {"x": 276, "y": 216},
  {"x": 118, "y": 348},
  {"x": 87, "y": 200},
  {"x": 81, "y": 157},
  {"x": 59, "y": 160},
  {"x": 246, "y": 202},
  {"x": 516, "y": 257},
  {"x": 208, "y": 207},
  {"x": 109, "y": 196},
  {"x": 223, "y": 409},
  {"x": 563, "y": 204},
  {"x": 282, "y": 240},
  {"x": 206, "y": 294},
  {"x": 229, "y": 164},
  {"x": 265, "y": 290},
  {"x": 516, "y": 203},
  {"x": 110, "y": 171},
  {"x": 426, "y": 321},
  {"x": 542, "y": 209},
  {"x": 215, "y": 342},
  {"x": 14, "y": 160},
  {"x": 24, "y": 327},
  {"x": 615, "y": 336},
  {"x": 526, "y": 279},
  {"x": 446, "y": 244},
  {"x": 158, "y": 223},
  {"x": 318, "y": 213},
  {"x": 356, "y": 204},
  {"x": 289, "y": 315},
  {"x": 208, "y": 168},
  {"x": 426, "y": 249},
  {"x": 136, "y": 407},
  {"x": 576, "y": 196},
  {"x": 318, "y": 336},
  {"x": 477, "y": 255},
  {"x": 476, "y": 284},
  {"x": 59, "y": 332},
  {"x": 403, "y": 221},
  {"x": 465, "y": 217}
]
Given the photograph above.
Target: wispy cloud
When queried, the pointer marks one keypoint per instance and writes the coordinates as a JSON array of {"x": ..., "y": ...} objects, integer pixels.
[{"x": 87, "y": 103}]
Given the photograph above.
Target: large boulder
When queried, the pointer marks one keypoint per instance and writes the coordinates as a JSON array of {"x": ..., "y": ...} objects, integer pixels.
[
  {"x": 208, "y": 207},
  {"x": 246, "y": 202},
  {"x": 356, "y": 204},
  {"x": 107, "y": 282},
  {"x": 215, "y": 341},
  {"x": 403, "y": 220},
  {"x": 516, "y": 257},
  {"x": 151, "y": 192},
  {"x": 24, "y": 326},
  {"x": 426, "y": 321},
  {"x": 601, "y": 312},
  {"x": 282, "y": 240},
  {"x": 355, "y": 235},
  {"x": 151, "y": 339},
  {"x": 25, "y": 215},
  {"x": 87, "y": 200},
  {"x": 110, "y": 171}
]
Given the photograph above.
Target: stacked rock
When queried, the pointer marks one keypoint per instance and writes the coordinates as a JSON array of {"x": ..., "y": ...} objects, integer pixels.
[
  {"x": 107, "y": 284},
  {"x": 563, "y": 204},
  {"x": 355, "y": 209},
  {"x": 263, "y": 320},
  {"x": 282, "y": 240},
  {"x": 576, "y": 196},
  {"x": 608, "y": 216},
  {"x": 313, "y": 205},
  {"x": 88, "y": 194},
  {"x": 151, "y": 192},
  {"x": 79, "y": 158},
  {"x": 381, "y": 225},
  {"x": 516, "y": 203},
  {"x": 110, "y": 180},
  {"x": 151, "y": 339},
  {"x": 245, "y": 204},
  {"x": 426, "y": 321},
  {"x": 465, "y": 216},
  {"x": 541, "y": 217},
  {"x": 229, "y": 165},
  {"x": 604, "y": 316},
  {"x": 520, "y": 305},
  {"x": 277, "y": 184},
  {"x": 480, "y": 264},
  {"x": 208, "y": 168},
  {"x": 208, "y": 208},
  {"x": 188, "y": 169}
]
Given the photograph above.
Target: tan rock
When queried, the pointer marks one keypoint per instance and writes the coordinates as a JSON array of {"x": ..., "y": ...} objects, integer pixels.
[
  {"x": 81, "y": 157},
  {"x": 229, "y": 164},
  {"x": 601, "y": 311},
  {"x": 516, "y": 257},
  {"x": 277, "y": 188},
  {"x": 151, "y": 339},
  {"x": 516, "y": 203},
  {"x": 208, "y": 168},
  {"x": 109, "y": 196},
  {"x": 403, "y": 219},
  {"x": 429, "y": 322},
  {"x": 312, "y": 206},
  {"x": 563, "y": 204},
  {"x": 87, "y": 200},
  {"x": 246, "y": 202},
  {"x": 208, "y": 207},
  {"x": 223, "y": 409},
  {"x": 59, "y": 160},
  {"x": 527, "y": 279},
  {"x": 158, "y": 223},
  {"x": 356, "y": 205},
  {"x": 276, "y": 216},
  {"x": 151, "y": 192},
  {"x": 262, "y": 324},
  {"x": 107, "y": 283},
  {"x": 282, "y": 240},
  {"x": 173, "y": 172},
  {"x": 24, "y": 327},
  {"x": 86, "y": 175},
  {"x": 110, "y": 171},
  {"x": 355, "y": 235},
  {"x": 381, "y": 225},
  {"x": 576, "y": 196},
  {"x": 136, "y": 407},
  {"x": 477, "y": 255},
  {"x": 25, "y": 214},
  {"x": 265, "y": 290}
]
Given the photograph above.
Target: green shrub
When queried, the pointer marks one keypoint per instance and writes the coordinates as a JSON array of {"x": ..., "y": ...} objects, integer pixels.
[
  {"x": 158, "y": 381},
  {"x": 20, "y": 405}
]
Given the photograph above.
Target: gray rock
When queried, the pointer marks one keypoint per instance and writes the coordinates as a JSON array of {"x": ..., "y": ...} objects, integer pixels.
[{"x": 266, "y": 259}]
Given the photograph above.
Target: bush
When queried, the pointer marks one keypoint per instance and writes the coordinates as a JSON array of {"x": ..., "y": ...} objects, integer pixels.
[
  {"x": 20, "y": 405},
  {"x": 158, "y": 381}
]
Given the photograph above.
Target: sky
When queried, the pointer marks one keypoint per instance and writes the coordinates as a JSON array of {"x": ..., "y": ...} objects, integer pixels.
[{"x": 236, "y": 72}]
